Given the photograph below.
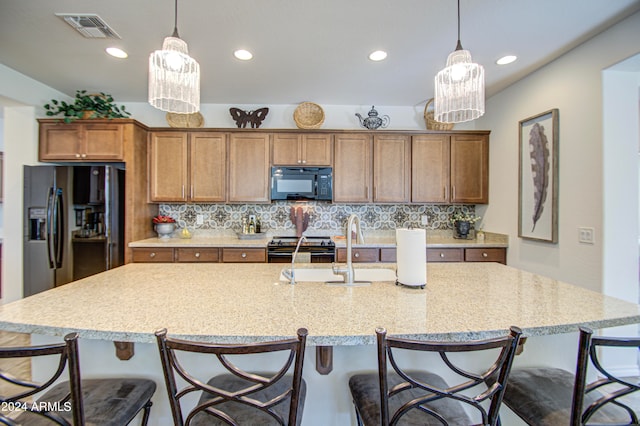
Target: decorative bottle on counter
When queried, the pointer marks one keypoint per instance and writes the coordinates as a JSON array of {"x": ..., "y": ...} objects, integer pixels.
[
  {"x": 245, "y": 227},
  {"x": 252, "y": 226},
  {"x": 258, "y": 226}
]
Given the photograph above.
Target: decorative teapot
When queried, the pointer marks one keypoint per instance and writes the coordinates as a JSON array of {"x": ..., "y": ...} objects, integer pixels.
[{"x": 372, "y": 122}]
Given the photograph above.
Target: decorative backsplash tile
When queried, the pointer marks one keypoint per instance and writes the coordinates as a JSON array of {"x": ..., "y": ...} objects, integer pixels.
[{"x": 322, "y": 216}]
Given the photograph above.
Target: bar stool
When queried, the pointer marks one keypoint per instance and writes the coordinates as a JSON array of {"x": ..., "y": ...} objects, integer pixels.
[
  {"x": 238, "y": 397},
  {"x": 113, "y": 402},
  {"x": 422, "y": 398},
  {"x": 552, "y": 396}
]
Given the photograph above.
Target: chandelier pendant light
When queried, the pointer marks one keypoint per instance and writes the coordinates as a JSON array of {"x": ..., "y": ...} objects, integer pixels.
[
  {"x": 459, "y": 88},
  {"x": 174, "y": 76}
]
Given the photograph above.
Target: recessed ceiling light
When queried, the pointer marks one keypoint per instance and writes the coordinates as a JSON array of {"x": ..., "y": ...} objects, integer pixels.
[
  {"x": 506, "y": 60},
  {"x": 243, "y": 55},
  {"x": 378, "y": 55},
  {"x": 116, "y": 52}
]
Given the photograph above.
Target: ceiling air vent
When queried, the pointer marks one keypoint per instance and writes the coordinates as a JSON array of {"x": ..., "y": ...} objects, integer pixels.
[{"x": 89, "y": 25}]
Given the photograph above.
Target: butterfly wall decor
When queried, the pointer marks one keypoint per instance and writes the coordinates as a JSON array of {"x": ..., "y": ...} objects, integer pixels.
[{"x": 242, "y": 118}]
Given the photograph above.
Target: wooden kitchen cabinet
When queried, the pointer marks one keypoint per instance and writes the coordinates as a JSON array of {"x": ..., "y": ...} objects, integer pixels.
[
  {"x": 152, "y": 254},
  {"x": 249, "y": 172},
  {"x": 391, "y": 169},
  {"x": 89, "y": 140},
  {"x": 187, "y": 167},
  {"x": 352, "y": 168},
  {"x": 430, "y": 160},
  {"x": 358, "y": 255},
  {"x": 197, "y": 254},
  {"x": 486, "y": 255},
  {"x": 470, "y": 169},
  {"x": 244, "y": 255},
  {"x": 450, "y": 168},
  {"x": 294, "y": 149}
]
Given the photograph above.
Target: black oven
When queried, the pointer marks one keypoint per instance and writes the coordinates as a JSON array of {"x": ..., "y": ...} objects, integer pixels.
[{"x": 319, "y": 249}]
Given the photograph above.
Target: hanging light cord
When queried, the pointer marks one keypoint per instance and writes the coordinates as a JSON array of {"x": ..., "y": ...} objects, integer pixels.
[
  {"x": 175, "y": 22},
  {"x": 459, "y": 45}
]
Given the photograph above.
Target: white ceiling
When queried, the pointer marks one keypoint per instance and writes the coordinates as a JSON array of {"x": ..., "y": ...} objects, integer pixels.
[{"x": 303, "y": 49}]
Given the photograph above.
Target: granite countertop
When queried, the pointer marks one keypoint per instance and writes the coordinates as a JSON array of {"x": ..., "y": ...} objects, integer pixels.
[
  {"x": 247, "y": 302},
  {"x": 435, "y": 238}
]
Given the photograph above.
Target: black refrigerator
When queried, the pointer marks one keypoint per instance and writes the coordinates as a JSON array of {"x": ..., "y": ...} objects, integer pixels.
[{"x": 73, "y": 223}]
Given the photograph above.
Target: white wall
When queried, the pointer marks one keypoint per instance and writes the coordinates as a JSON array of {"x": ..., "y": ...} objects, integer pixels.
[{"x": 573, "y": 84}]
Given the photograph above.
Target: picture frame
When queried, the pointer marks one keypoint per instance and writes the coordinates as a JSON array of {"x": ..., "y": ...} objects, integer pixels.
[{"x": 538, "y": 177}]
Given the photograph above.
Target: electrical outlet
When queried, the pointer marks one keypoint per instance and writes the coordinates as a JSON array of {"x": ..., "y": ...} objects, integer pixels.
[
  {"x": 424, "y": 220},
  {"x": 586, "y": 235},
  {"x": 252, "y": 217},
  {"x": 199, "y": 219}
]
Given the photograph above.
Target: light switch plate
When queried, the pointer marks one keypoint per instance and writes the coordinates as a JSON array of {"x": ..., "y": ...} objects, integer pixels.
[
  {"x": 586, "y": 235},
  {"x": 424, "y": 220},
  {"x": 199, "y": 219}
]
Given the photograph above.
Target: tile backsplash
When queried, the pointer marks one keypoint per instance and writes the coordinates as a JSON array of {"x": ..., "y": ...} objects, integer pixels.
[{"x": 322, "y": 216}]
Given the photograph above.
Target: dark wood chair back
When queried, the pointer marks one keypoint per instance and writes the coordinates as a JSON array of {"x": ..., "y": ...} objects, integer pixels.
[
  {"x": 489, "y": 384},
  {"x": 105, "y": 401},
  {"x": 26, "y": 389},
  {"x": 608, "y": 390},
  {"x": 249, "y": 394}
]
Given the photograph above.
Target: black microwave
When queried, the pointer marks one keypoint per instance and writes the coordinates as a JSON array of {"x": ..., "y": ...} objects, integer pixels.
[{"x": 301, "y": 183}]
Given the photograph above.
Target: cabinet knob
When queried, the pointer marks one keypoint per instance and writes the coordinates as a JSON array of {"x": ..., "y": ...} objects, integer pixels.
[
  {"x": 299, "y": 161},
  {"x": 83, "y": 155},
  {"x": 77, "y": 155},
  {"x": 152, "y": 254},
  {"x": 356, "y": 255},
  {"x": 484, "y": 254},
  {"x": 243, "y": 255},
  {"x": 442, "y": 255},
  {"x": 304, "y": 161},
  {"x": 197, "y": 255}
]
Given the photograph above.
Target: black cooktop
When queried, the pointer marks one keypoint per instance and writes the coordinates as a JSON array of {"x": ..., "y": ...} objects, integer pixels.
[{"x": 285, "y": 241}]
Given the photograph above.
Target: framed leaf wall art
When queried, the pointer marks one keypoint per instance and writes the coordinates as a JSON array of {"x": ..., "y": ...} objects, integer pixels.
[{"x": 538, "y": 182}]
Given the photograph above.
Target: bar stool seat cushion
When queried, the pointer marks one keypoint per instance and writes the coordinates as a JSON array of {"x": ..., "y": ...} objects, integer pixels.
[
  {"x": 365, "y": 390},
  {"x": 543, "y": 396},
  {"x": 107, "y": 402},
  {"x": 243, "y": 414}
]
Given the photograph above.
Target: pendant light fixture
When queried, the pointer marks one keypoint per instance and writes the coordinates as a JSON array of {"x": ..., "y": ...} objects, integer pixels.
[
  {"x": 174, "y": 76},
  {"x": 459, "y": 88}
]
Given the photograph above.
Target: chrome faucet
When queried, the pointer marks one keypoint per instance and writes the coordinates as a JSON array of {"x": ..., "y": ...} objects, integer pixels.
[
  {"x": 290, "y": 274},
  {"x": 347, "y": 271}
]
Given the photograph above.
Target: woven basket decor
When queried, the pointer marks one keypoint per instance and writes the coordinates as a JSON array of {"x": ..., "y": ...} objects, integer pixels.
[
  {"x": 185, "y": 120},
  {"x": 308, "y": 116},
  {"x": 431, "y": 123}
]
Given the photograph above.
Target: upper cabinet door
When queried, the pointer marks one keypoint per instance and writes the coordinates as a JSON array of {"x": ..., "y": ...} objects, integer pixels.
[
  {"x": 470, "y": 169},
  {"x": 430, "y": 163},
  {"x": 352, "y": 168},
  {"x": 103, "y": 142},
  {"x": 391, "y": 168},
  {"x": 249, "y": 168},
  {"x": 285, "y": 149},
  {"x": 316, "y": 149},
  {"x": 207, "y": 167},
  {"x": 168, "y": 166}
]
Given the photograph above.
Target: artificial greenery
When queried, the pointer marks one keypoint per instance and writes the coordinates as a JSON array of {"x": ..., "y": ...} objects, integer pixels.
[{"x": 99, "y": 104}]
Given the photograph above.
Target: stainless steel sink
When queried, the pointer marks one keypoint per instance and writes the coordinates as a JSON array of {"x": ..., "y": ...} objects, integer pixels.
[{"x": 362, "y": 276}]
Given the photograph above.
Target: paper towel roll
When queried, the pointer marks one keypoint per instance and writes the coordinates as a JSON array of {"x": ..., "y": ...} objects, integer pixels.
[{"x": 411, "y": 256}]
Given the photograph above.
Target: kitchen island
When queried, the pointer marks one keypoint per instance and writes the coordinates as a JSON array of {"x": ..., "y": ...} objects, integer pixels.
[{"x": 248, "y": 302}]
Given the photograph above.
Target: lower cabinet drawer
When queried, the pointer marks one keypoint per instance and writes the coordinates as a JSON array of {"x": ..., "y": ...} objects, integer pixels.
[
  {"x": 152, "y": 254},
  {"x": 486, "y": 255},
  {"x": 445, "y": 255},
  {"x": 197, "y": 255},
  {"x": 358, "y": 255},
  {"x": 244, "y": 255},
  {"x": 388, "y": 255}
]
